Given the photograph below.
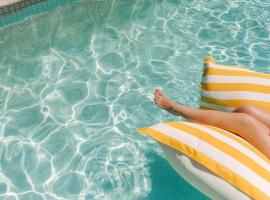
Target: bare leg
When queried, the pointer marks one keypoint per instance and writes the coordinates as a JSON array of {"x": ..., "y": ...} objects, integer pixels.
[
  {"x": 256, "y": 112},
  {"x": 242, "y": 124}
]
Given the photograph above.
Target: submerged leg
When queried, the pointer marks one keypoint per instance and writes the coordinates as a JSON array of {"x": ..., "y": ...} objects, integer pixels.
[{"x": 242, "y": 124}]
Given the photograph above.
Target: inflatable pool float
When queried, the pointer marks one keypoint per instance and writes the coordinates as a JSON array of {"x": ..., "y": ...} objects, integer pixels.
[
  {"x": 200, "y": 177},
  {"x": 219, "y": 163}
]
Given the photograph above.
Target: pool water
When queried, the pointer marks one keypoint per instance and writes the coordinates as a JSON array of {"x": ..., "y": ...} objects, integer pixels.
[{"x": 77, "y": 82}]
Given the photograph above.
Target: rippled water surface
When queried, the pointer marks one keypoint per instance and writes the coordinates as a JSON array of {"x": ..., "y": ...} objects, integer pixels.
[{"x": 76, "y": 83}]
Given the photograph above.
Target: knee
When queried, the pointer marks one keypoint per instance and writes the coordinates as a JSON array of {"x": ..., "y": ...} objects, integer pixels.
[
  {"x": 252, "y": 123},
  {"x": 246, "y": 108},
  {"x": 246, "y": 120}
]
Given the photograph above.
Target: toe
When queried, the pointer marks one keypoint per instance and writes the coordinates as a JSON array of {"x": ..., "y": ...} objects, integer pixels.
[{"x": 156, "y": 95}]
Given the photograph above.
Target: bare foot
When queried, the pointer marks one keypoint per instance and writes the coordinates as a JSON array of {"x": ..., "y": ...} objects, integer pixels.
[{"x": 161, "y": 100}]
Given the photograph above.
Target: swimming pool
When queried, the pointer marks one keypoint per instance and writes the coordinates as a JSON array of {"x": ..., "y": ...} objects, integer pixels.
[{"x": 76, "y": 83}]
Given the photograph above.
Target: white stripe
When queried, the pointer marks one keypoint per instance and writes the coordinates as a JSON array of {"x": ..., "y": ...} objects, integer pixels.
[
  {"x": 236, "y": 79},
  {"x": 232, "y": 143},
  {"x": 215, "y": 154},
  {"x": 236, "y": 68},
  {"x": 216, "y": 107},
  {"x": 237, "y": 95}
]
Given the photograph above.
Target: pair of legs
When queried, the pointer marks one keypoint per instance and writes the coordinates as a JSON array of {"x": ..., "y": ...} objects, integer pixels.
[{"x": 248, "y": 121}]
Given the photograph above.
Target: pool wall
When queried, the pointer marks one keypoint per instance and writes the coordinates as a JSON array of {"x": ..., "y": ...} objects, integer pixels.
[{"x": 25, "y": 9}]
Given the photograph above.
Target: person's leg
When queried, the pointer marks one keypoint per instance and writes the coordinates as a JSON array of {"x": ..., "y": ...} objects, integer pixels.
[
  {"x": 255, "y": 111},
  {"x": 244, "y": 125}
]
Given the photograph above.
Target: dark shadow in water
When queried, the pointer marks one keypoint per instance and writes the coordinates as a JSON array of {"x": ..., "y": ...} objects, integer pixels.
[{"x": 167, "y": 184}]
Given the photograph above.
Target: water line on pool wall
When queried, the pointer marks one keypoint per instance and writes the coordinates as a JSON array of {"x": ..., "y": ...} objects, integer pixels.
[{"x": 14, "y": 11}]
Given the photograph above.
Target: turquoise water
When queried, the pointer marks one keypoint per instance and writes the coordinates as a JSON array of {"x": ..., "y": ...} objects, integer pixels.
[{"x": 76, "y": 83}]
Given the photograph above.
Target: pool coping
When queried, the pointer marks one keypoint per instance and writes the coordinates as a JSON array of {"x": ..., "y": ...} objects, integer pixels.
[{"x": 15, "y": 5}]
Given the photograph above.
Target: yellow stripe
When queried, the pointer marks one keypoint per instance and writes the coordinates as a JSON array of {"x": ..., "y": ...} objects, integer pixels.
[
  {"x": 222, "y": 146},
  {"x": 210, "y": 59},
  {"x": 207, "y": 162},
  {"x": 206, "y": 108},
  {"x": 240, "y": 141},
  {"x": 236, "y": 87},
  {"x": 235, "y": 103},
  {"x": 225, "y": 109},
  {"x": 227, "y": 72}
]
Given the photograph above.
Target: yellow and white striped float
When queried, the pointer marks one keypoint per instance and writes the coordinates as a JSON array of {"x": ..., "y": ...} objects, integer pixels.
[{"x": 219, "y": 163}]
